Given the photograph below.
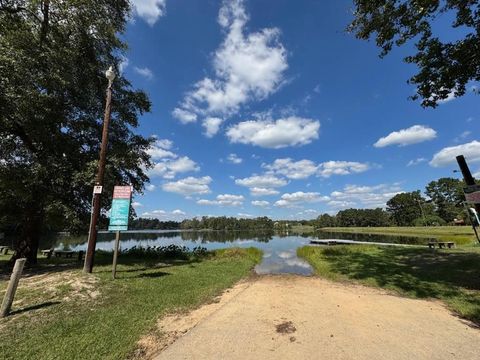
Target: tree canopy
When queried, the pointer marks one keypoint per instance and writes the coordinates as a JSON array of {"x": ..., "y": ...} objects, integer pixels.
[
  {"x": 53, "y": 56},
  {"x": 445, "y": 66},
  {"x": 447, "y": 196}
]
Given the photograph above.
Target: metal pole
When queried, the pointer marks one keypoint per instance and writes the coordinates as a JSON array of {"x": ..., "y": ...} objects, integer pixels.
[
  {"x": 467, "y": 175},
  {"x": 469, "y": 180},
  {"x": 12, "y": 287},
  {"x": 115, "y": 254},
  {"x": 92, "y": 232}
]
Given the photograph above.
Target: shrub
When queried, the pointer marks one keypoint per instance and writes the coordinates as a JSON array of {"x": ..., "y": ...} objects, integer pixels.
[{"x": 166, "y": 252}]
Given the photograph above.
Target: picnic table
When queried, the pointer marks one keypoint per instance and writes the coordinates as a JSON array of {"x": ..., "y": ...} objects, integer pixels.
[
  {"x": 65, "y": 253},
  {"x": 441, "y": 244},
  {"x": 4, "y": 249}
]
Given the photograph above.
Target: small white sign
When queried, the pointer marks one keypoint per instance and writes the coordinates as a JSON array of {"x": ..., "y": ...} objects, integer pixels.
[{"x": 97, "y": 189}]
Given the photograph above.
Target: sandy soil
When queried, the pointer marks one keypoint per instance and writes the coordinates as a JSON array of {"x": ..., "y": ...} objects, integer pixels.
[{"x": 293, "y": 317}]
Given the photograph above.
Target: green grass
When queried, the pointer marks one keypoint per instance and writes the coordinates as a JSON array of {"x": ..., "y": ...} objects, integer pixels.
[
  {"x": 63, "y": 321},
  {"x": 462, "y": 235},
  {"x": 452, "y": 276},
  {"x": 302, "y": 229}
]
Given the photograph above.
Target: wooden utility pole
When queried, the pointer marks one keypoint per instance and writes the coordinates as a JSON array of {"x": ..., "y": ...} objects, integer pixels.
[
  {"x": 92, "y": 232},
  {"x": 12, "y": 287}
]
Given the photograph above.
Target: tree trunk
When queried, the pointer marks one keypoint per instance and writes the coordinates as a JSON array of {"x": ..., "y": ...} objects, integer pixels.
[{"x": 26, "y": 245}]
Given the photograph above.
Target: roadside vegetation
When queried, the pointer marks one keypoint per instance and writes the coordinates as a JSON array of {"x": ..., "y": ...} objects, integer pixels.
[
  {"x": 448, "y": 275},
  {"x": 60, "y": 313}
]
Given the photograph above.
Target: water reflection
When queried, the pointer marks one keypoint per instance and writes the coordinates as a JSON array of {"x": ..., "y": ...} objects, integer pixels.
[
  {"x": 279, "y": 249},
  {"x": 279, "y": 253},
  {"x": 392, "y": 239}
]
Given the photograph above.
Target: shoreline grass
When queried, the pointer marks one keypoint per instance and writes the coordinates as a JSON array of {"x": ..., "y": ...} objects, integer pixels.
[
  {"x": 66, "y": 314},
  {"x": 451, "y": 276},
  {"x": 461, "y": 235}
]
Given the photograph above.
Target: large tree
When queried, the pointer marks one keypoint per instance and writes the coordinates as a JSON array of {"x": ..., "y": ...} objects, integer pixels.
[
  {"x": 447, "y": 197},
  {"x": 407, "y": 207},
  {"x": 446, "y": 63},
  {"x": 53, "y": 55}
]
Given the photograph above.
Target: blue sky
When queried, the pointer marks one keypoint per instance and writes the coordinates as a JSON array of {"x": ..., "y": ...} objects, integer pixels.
[{"x": 270, "y": 108}]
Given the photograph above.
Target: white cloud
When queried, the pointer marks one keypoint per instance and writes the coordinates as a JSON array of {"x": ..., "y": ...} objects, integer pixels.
[
  {"x": 448, "y": 155},
  {"x": 462, "y": 136},
  {"x": 212, "y": 125},
  {"x": 299, "y": 197},
  {"x": 416, "y": 161},
  {"x": 260, "y": 203},
  {"x": 184, "y": 116},
  {"x": 189, "y": 186},
  {"x": 123, "y": 64},
  {"x": 261, "y": 181},
  {"x": 330, "y": 168},
  {"x": 160, "y": 149},
  {"x": 303, "y": 169},
  {"x": 244, "y": 215},
  {"x": 476, "y": 175},
  {"x": 168, "y": 169},
  {"x": 259, "y": 191},
  {"x": 292, "y": 169},
  {"x": 150, "y": 187},
  {"x": 145, "y": 72},
  {"x": 290, "y": 131},
  {"x": 168, "y": 164},
  {"x": 247, "y": 67},
  {"x": 234, "y": 159},
  {"x": 364, "y": 196},
  {"x": 162, "y": 215},
  {"x": 412, "y": 135},
  {"x": 136, "y": 204},
  {"x": 224, "y": 200},
  {"x": 149, "y": 10}
]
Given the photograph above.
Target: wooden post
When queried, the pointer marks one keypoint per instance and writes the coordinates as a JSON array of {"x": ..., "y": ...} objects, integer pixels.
[
  {"x": 12, "y": 287},
  {"x": 115, "y": 254}
]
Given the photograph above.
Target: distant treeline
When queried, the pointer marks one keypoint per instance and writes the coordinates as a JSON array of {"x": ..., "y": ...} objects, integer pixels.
[
  {"x": 204, "y": 223},
  {"x": 227, "y": 223},
  {"x": 441, "y": 205},
  {"x": 153, "y": 224}
]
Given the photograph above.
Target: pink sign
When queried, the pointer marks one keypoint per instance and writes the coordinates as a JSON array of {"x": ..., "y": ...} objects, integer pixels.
[{"x": 122, "y": 192}]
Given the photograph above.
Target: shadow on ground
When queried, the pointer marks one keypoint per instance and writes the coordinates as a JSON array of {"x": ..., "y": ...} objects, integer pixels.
[{"x": 452, "y": 276}]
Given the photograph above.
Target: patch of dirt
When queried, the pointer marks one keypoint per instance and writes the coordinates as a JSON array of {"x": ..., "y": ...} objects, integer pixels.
[
  {"x": 286, "y": 327},
  {"x": 173, "y": 326}
]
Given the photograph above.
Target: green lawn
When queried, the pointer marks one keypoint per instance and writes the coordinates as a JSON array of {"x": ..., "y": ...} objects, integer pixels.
[
  {"x": 452, "y": 276},
  {"x": 67, "y": 315},
  {"x": 462, "y": 235}
]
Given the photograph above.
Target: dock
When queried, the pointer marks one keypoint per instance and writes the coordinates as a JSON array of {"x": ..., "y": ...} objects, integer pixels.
[{"x": 353, "y": 242}]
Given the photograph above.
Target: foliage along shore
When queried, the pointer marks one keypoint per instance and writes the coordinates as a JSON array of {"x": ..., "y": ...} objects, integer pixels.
[{"x": 461, "y": 235}]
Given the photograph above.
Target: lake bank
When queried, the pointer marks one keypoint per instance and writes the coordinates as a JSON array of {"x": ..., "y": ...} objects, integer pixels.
[{"x": 461, "y": 235}]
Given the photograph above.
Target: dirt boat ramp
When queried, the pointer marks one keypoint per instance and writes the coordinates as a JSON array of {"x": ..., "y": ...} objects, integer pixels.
[{"x": 295, "y": 317}]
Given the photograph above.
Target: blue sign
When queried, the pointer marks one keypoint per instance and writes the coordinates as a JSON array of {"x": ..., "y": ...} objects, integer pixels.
[{"x": 119, "y": 215}]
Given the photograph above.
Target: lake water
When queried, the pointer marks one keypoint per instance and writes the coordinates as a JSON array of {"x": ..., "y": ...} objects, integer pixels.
[{"x": 279, "y": 250}]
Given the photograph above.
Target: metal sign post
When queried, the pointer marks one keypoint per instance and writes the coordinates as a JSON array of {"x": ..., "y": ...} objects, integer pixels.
[{"x": 119, "y": 214}]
